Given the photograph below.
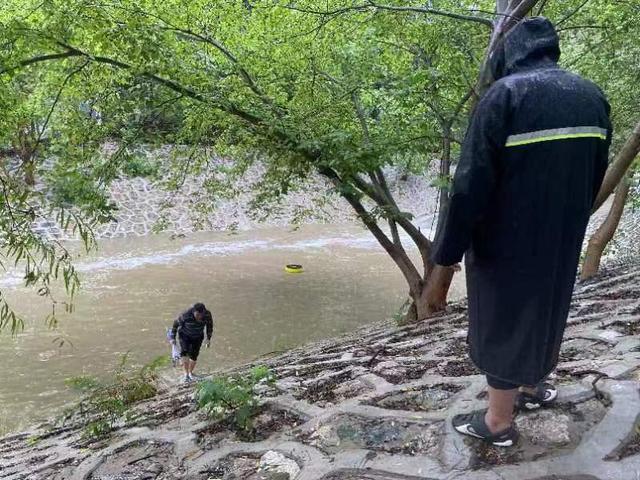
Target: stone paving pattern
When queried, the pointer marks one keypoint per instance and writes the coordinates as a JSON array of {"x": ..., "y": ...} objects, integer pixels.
[{"x": 376, "y": 405}]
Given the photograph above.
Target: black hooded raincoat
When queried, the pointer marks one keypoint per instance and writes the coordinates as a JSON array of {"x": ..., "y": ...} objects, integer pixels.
[{"x": 532, "y": 162}]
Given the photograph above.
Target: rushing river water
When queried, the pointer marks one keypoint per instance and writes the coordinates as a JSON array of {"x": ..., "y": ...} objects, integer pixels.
[{"x": 133, "y": 289}]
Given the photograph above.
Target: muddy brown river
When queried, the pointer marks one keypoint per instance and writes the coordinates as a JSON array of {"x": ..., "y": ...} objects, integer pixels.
[{"x": 133, "y": 288}]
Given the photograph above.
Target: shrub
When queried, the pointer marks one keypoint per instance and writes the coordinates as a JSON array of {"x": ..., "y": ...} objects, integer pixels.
[
  {"x": 140, "y": 166},
  {"x": 234, "y": 397},
  {"x": 401, "y": 316},
  {"x": 72, "y": 188},
  {"x": 106, "y": 403}
]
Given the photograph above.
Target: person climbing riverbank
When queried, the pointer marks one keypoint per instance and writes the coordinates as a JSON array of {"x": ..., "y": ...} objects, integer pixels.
[
  {"x": 530, "y": 168},
  {"x": 189, "y": 330}
]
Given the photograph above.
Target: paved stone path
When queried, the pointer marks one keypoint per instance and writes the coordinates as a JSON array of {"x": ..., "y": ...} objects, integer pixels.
[{"x": 377, "y": 405}]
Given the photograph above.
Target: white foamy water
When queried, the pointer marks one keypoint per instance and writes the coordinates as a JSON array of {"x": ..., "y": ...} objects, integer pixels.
[{"x": 128, "y": 261}]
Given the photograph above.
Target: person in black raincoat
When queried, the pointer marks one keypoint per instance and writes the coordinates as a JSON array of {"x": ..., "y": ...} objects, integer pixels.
[{"x": 531, "y": 165}]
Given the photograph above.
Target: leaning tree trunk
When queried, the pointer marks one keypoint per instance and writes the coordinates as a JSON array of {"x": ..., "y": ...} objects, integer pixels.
[
  {"x": 430, "y": 297},
  {"x": 601, "y": 238},
  {"x": 616, "y": 175},
  {"x": 618, "y": 168}
]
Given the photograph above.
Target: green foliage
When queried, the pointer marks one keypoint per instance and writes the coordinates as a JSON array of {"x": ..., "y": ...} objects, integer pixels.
[
  {"x": 71, "y": 188},
  {"x": 33, "y": 440},
  {"x": 106, "y": 403},
  {"x": 401, "y": 316},
  {"x": 596, "y": 43},
  {"x": 234, "y": 397},
  {"x": 140, "y": 166},
  {"x": 335, "y": 88},
  {"x": 82, "y": 383},
  {"x": 442, "y": 182}
]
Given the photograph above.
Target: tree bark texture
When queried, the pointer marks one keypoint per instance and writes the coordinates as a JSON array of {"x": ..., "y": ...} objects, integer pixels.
[
  {"x": 619, "y": 167},
  {"x": 601, "y": 238}
]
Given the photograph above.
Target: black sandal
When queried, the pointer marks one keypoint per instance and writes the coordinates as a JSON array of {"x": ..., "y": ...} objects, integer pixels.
[
  {"x": 473, "y": 424},
  {"x": 545, "y": 394}
]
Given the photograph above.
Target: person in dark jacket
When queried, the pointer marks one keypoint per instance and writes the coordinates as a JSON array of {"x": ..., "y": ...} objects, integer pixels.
[
  {"x": 189, "y": 329},
  {"x": 531, "y": 165}
]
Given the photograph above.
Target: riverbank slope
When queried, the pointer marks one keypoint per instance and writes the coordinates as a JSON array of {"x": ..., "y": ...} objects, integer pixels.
[{"x": 376, "y": 404}]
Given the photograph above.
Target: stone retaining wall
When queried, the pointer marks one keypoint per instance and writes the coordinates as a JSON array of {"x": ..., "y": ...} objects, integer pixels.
[{"x": 143, "y": 206}]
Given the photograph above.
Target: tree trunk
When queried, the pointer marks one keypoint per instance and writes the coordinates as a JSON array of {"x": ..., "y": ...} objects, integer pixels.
[
  {"x": 445, "y": 172},
  {"x": 25, "y": 146},
  {"x": 431, "y": 298},
  {"x": 601, "y": 238},
  {"x": 434, "y": 294},
  {"x": 619, "y": 167},
  {"x": 509, "y": 14},
  {"x": 616, "y": 175},
  {"x": 29, "y": 172}
]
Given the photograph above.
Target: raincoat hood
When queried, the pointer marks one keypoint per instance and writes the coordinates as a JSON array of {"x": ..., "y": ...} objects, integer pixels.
[{"x": 532, "y": 43}]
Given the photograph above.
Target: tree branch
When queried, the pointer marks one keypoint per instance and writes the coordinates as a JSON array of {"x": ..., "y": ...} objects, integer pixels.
[
  {"x": 276, "y": 133},
  {"x": 518, "y": 13},
  {"x": 172, "y": 85},
  {"x": 55, "y": 103},
  {"x": 572, "y": 13},
  {"x": 398, "y": 255},
  {"x": 503, "y": 25},
  {"x": 222, "y": 49},
  {"x": 393, "y": 226},
  {"x": 41, "y": 58},
  {"x": 581, "y": 27},
  {"x": 329, "y": 13},
  {"x": 382, "y": 181},
  {"x": 543, "y": 4},
  {"x": 432, "y": 11},
  {"x": 379, "y": 192},
  {"x": 605, "y": 232},
  {"x": 372, "y": 5},
  {"x": 391, "y": 209},
  {"x": 463, "y": 101},
  {"x": 244, "y": 74}
]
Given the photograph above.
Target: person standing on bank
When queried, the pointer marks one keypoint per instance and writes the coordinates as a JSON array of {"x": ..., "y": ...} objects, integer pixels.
[
  {"x": 189, "y": 329},
  {"x": 531, "y": 165}
]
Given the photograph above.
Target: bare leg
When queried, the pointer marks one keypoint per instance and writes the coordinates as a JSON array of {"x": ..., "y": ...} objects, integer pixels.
[
  {"x": 500, "y": 413},
  {"x": 185, "y": 364},
  {"x": 192, "y": 366}
]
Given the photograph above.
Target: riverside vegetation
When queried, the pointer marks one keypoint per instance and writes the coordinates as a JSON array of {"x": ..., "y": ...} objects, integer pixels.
[{"x": 343, "y": 91}]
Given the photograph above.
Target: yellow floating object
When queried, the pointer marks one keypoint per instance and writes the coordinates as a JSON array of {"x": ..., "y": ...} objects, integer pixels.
[{"x": 293, "y": 268}]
